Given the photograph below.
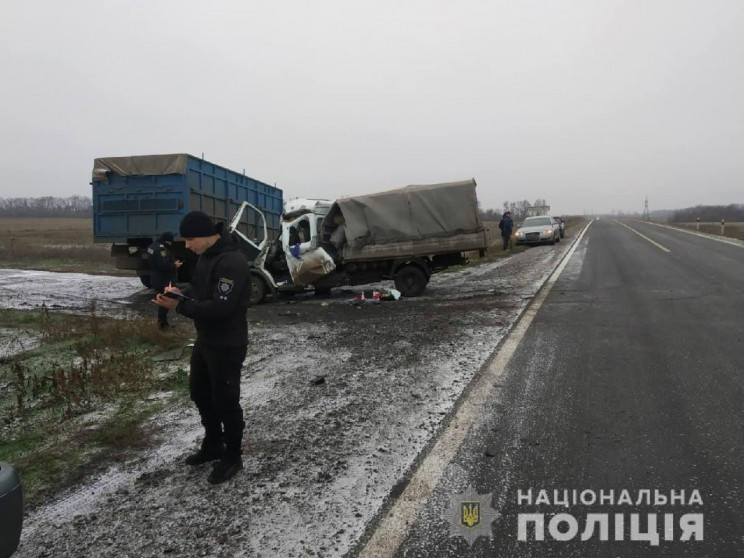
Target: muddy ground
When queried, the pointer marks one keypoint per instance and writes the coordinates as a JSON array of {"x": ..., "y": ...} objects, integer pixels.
[{"x": 340, "y": 402}]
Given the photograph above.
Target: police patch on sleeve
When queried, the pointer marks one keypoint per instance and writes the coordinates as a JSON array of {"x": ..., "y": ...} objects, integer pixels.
[
  {"x": 225, "y": 286},
  {"x": 163, "y": 253}
]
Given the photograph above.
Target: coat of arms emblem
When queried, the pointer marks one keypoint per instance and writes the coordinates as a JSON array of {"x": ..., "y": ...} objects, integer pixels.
[{"x": 471, "y": 515}]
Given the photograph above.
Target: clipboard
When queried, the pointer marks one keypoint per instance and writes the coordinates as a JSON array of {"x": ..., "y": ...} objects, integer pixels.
[{"x": 179, "y": 296}]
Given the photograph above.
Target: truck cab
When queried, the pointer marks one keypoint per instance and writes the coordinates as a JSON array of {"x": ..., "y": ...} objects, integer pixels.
[{"x": 279, "y": 262}]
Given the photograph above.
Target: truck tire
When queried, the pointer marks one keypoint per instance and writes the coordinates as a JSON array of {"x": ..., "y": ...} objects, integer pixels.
[
  {"x": 145, "y": 280},
  {"x": 258, "y": 291},
  {"x": 410, "y": 280}
]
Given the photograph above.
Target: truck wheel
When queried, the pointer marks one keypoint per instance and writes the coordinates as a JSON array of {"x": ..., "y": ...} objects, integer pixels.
[
  {"x": 258, "y": 291},
  {"x": 145, "y": 280},
  {"x": 410, "y": 280}
]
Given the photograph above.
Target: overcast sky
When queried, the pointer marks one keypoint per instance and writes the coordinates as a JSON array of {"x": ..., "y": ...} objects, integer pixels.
[{"x": 593, "y": 105}]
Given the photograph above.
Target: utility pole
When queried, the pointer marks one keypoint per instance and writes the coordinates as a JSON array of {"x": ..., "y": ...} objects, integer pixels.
[{"x": 646, "y": 216}]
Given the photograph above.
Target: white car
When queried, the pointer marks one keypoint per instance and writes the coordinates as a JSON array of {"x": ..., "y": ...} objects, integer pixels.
[{"x": 535, "y": 230}]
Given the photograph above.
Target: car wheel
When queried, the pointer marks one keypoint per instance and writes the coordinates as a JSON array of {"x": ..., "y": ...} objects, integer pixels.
[{"x": 554, "y": 240}]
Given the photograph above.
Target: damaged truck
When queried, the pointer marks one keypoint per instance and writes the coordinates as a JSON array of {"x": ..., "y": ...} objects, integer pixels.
[
  {"x": 137, "y": 198},
  {"x": 404, "y": 235}
]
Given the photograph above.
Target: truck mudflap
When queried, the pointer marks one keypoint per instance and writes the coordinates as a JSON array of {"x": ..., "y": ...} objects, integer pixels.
[{"x": 307, "y": 267}]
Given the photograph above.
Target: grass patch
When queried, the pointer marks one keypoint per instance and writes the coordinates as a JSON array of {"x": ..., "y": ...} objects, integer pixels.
[
  {"x": 731, "y": 230},
  {"x": 52, "y": 244},
  {"x": 77, "y": 402}
]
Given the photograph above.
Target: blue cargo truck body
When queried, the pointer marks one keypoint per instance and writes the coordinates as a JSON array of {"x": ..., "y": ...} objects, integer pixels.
[{"x": 137, "y": 198}]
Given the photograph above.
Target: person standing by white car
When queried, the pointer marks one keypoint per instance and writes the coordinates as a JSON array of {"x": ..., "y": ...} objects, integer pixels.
[
  {"x": 507, "y": 226},
  {"x": 562, "y": 225}
]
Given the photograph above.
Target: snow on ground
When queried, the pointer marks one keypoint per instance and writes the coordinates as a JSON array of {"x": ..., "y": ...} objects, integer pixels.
[
  {"x": 321, "y": 458},
  {"x": 65, "y": 292}
]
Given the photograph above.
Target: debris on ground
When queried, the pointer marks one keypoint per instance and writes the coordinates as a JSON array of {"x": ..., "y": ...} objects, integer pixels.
[{"x": 374, "y": 297}]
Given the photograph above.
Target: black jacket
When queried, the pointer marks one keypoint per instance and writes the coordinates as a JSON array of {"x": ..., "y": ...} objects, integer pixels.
[
  {"x": 220, "y": 289},
  {"x": 162, "y": 267},
  {"x": 506, "y": 225}
]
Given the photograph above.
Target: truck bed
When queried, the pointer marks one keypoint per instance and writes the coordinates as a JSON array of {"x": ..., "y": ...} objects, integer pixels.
[
  {"x": 143, "y": 196},
  {"x": 426, "y": 246}
]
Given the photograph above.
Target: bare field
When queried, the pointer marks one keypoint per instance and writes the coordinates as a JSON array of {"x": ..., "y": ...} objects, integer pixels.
[
  {"x": 55, "y": 230},
  {"x": 731, "y": 230},
  {"x": 52, "y": 244}
]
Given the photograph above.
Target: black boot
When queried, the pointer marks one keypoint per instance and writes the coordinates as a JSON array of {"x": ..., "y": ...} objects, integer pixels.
[
  {"x": 206, "y": 454},
  {"x": 225, "y": 469}
]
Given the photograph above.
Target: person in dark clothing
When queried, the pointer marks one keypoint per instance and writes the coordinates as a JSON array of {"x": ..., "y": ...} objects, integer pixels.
[
  {"x": 506, "y": 225},
  {"x": 217, "y": 302},
  {"x": 163, "y": 270}
]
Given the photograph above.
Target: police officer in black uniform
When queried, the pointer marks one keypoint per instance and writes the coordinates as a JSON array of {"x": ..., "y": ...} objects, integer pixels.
[
  {"x": 217, "y": 302},
  {"x": 163, "y": 270}
]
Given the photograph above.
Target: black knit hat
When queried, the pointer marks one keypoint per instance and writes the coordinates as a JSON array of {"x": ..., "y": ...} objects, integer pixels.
[
  {"x": 166, "y": 237},
  {"x": 197, "y": 224}
]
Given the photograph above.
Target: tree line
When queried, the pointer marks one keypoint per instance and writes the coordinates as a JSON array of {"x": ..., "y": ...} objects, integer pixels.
[
  {"x": 47, "y": 206},
  {"x": 82, "y": 206},
  {"x": 708, "y": 213},
  {"x": 519, "y": 210}
]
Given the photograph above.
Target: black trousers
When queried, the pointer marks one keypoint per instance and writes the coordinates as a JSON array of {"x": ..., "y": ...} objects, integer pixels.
[
  {"x": 506, "y": 240},
  {"x": 162, "y": 311},
  {"x": 214, "y": 384}
]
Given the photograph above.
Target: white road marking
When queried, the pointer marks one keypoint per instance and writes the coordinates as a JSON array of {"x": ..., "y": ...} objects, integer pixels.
[
  {"x": 394, "y": 527},
  {"x": 659, "y": 246},
  {"x": 725, "y": 240}
]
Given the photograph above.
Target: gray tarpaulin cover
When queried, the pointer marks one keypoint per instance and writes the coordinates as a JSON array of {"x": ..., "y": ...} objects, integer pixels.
[
  {"x": 139, "y": 165},
  {"x": 410, "y": 213}
]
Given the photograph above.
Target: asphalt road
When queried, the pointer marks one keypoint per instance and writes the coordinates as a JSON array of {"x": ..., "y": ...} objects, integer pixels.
[{"x": 629, "y": 378}]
